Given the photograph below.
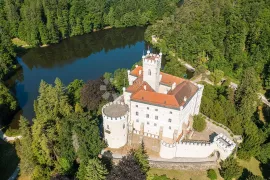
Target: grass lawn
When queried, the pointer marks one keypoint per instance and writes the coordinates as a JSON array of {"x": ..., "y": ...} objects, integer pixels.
[
  {"x": 253, "y": 166},
  {"x": 182, "y": 175},
  {"x": 8, "y": 159}
]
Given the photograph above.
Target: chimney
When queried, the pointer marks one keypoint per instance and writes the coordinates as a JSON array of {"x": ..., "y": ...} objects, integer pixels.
[
  {"x": 173, "y": 85},
  {"x": 144, "y": 87},
  {"x": 136, "y": 65},
  {"x": 128, "y": 71},
  {"x": 140, "y": 72},
  {"x": 124, "y": 89},
  {"x": 166, "y": 91},
  {"x": 185, "y": 98}
]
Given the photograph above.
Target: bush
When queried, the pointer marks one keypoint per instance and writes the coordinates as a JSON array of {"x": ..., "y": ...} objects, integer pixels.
[
  {"x": 199, "y": 123},
  {"x": 211, "y": 174}
]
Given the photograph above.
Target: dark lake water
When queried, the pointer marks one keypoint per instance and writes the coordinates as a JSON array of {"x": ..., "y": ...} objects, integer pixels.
[{"x": 84, "y": 57}]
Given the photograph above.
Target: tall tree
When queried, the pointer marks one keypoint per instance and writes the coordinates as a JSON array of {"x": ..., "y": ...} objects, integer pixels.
[
  {"x": 128, "y": 168},
  {"x": 230, "y": 169},
  {"x": 246, "y": 94},
  {"x": 8, "y": 104},
  {"x": 94, "y": 170},
  {"x": 24, "y": 148}
]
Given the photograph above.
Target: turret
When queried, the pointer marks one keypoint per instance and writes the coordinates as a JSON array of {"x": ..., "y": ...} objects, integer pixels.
[
  {"x": 151, "y": 69},
  {"x": 115, "y": 124}
]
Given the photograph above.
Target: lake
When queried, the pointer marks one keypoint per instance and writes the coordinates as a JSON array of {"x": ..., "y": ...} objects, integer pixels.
[{"x": 82, "y": 57}]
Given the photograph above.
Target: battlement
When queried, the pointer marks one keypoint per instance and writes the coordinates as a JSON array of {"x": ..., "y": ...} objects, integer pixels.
[
  {"x": 152, "y": 58},
  {"x": 185, "y": 143},
  {"x": 168, "y": 144},
  {"x": 115, "y": 111},
  {"x": 194, "y": 143},
  {"x": 224, "y": 142}
]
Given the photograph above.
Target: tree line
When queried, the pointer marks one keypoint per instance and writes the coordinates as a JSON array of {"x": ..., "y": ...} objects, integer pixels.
[{"x": 48, "y": 21}]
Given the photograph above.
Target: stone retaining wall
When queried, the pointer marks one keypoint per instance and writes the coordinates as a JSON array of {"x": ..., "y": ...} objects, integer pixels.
[{"x": 180, "y": 165}]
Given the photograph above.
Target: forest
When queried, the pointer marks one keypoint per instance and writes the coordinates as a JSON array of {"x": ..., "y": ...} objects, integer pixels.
[
  {"x": 220, "y": 35},
  {"x": 48, "y": 21}
]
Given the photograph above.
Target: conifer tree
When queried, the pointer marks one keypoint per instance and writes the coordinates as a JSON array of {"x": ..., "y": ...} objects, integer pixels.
[
  {"x": 141, "y": 156},
  {"x": 24, "y": 148},
  {"x": 95, "y": 170}
]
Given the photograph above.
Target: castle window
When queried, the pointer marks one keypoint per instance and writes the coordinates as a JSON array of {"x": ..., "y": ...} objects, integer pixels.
[
  {"x": 170, "y": 120},
  {"x": 155, "y": 124},
  {"x": 147, "y": 107},
  {"x": 137, "y": 113},
  {"x": 156, "y": 109},
  {"x": 136, "y": 105},
  {"x": 149, "y": 72},
  {"x": 170, "y": 112},
  {"x": 137, "y": 120},
  {"x": 108, "y": 127},
  {"x": 170, "y": 127},
  {"x": 156, "y": 117},
  {"x": 124, "y": 125},
  {"x": 147, "y": 115},
  {"x": 147, "y": 123}
]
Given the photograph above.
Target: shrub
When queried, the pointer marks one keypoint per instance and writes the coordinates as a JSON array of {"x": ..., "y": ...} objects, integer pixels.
[
  {"x": 211, "y": 174},
  {"x": 199, "y": 123}
]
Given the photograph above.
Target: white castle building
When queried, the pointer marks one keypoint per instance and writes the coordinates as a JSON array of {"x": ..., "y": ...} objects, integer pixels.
[{"x": 160, "y": 106}]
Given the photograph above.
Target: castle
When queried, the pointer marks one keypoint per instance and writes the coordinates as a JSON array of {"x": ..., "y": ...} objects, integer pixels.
[{"x": 160, "y": 106}]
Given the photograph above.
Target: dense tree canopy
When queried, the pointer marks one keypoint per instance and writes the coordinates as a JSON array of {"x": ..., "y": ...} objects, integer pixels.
[
  {"x": 223, "y": 35},
  {"x": 8, "y": 104},
  {"x": 128, "y": 168},
  {"x": 42, "y": 22},
  {"x": 59, "y": 139},
  {"x": 230, "y": 169}
]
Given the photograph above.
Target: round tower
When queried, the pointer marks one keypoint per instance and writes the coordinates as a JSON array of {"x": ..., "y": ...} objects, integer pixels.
[{"x": 115, "y": 124}]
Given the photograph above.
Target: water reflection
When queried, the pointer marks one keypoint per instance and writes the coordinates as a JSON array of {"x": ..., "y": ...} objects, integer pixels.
[
  {"x": 83, "y": 57},
  {"x": 83, "y": 46}
]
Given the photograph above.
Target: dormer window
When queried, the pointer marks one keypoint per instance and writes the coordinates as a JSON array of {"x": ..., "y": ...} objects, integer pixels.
[{"x": 149, "y": 72}]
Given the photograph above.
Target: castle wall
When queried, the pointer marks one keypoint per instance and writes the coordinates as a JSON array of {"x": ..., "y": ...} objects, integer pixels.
[
  {"x": 163, "y": 114},
  {"x": 198, "y": 99},
  {"x": 177, "y": 117},
  {"x": 115, "y": 129},
  {"x": 186, "y": 149},
  {"x": 221, "y": 143}
]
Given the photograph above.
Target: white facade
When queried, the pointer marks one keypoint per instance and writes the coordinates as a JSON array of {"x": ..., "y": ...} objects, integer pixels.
[
  {"x": 151, "y": 70},
  {"x": 198, "y": 149},
  {"x": 160, "y": 106},
  {"x": 115, "y": 128}
]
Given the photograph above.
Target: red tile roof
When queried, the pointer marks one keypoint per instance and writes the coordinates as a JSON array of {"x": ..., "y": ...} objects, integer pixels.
[
  {"x": 155, "y": 98},
  {"x": 166, "y": 79},
  {"x": 135, "y": 72},
  {"x": 173, "y": 99},
  {"x": 139, "y": 84}
]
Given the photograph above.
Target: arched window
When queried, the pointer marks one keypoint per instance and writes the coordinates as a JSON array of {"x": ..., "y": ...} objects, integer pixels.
[{"x": 149, "y": 72}]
